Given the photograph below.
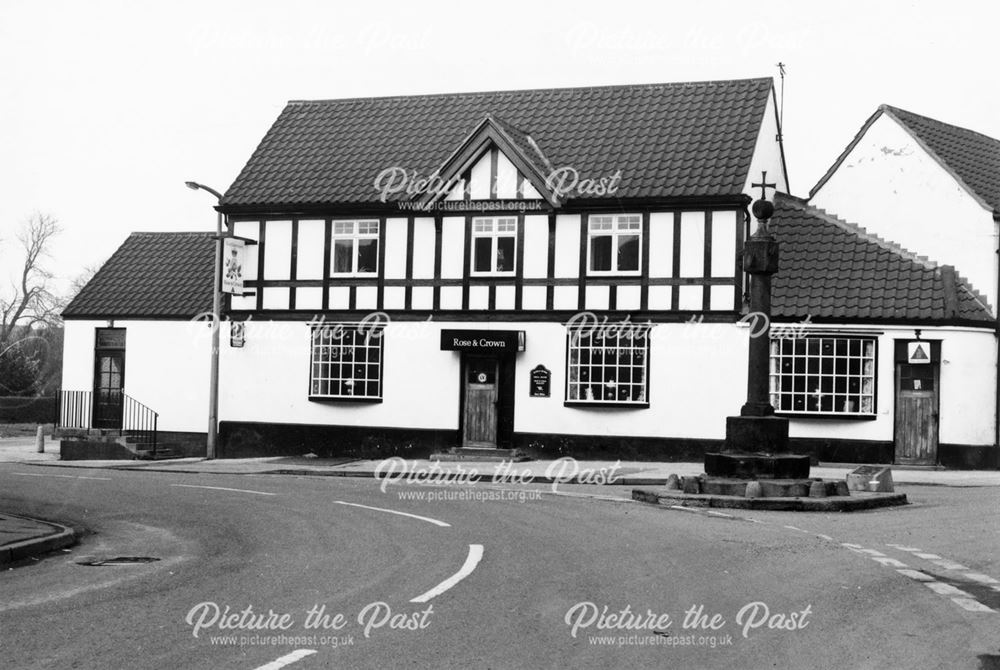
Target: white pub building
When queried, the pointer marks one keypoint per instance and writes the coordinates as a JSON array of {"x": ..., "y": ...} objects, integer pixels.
[{"x": 552, "y": 270}]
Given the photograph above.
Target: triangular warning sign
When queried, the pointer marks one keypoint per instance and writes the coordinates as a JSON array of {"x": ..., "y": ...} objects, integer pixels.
[{"x": 917, "y": 352}]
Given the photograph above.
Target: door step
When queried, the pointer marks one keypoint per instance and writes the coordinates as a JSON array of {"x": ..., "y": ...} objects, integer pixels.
[{"x": 487, "y": 454}]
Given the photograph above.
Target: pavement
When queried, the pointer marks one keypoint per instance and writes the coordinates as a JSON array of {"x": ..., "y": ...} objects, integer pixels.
[{"x": 21, "y": 537}]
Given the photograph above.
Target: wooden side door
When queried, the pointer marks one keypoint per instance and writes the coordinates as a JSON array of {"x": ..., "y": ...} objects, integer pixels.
[
  {"x": 917, "y": 413},
  {"x": 479, "y": 424}
]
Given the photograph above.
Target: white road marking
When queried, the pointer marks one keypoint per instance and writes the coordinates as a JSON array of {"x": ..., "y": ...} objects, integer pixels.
[
  {"x": 949, "y": 565},
  {"x": 36, "y": 474},
  {"x": 392, "y": 511},
  {"x": 825, "y": 537},
  {"x": 850, "y": 545},
  {"x": 902, "y": 548},
  {"x": 222, "y": 488},
  {"x": 917, "y": 575},
  {"x": 971, "y": 605},
  {"x": 685, "y": 509},
  {"x": 723, "y": 514},
  {"x": 471, "y": 561},
  {"x": 981, "y": 578},
  {"x": 946, "y": 589},
  {"x": 872, "y": 552},
  {"x": 926, "y": 556},
  {"x": 891, "y": 562},
  {"x": 288, "y": 659}
]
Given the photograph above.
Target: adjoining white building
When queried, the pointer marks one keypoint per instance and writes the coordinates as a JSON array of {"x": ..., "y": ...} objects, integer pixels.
[
  {"x": 554, "y": 270},
  {"x": 931, "y": 186}
]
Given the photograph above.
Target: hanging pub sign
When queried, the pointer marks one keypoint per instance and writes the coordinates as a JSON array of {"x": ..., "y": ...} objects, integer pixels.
[
  {"x": 918, "y": 353},
  {"x": 482, "y": 341},
  {"x": 237, "y": 334},
  {"x": 233, "y": 256},
  {"x": 541, "y": 382}
]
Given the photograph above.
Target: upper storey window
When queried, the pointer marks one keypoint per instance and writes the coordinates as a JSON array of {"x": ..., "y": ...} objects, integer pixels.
[
  {"x": 494, "y": 245},
  {"x": 613, "y": 244},
  {"x": 355, "y": 247}
]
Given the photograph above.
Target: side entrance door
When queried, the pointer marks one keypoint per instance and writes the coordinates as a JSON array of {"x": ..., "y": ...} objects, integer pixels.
[
  {"x": 479, "y": 425},
  {"x": 109, "y": 378},
  {"x": 917, "y": 413}
]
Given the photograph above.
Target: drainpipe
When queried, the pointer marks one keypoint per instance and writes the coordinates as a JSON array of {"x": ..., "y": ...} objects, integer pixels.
[{"x": 996, "y": 311}]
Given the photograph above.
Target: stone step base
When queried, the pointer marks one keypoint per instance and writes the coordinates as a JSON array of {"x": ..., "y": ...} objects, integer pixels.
[{"x": 481, "y": 454}]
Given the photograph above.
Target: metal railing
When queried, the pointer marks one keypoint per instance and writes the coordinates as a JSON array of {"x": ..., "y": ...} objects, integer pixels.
[{"x": 75, "y": 410}]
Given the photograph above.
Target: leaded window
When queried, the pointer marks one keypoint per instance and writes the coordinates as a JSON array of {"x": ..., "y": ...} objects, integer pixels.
[
  {"x": 608, "y": 366},
  {"x": 824, "y": 375},
  {"x": 346, "y": 362}
]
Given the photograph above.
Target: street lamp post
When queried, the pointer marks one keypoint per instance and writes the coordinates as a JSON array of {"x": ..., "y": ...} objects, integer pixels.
[{"x": 213, "y": 391}]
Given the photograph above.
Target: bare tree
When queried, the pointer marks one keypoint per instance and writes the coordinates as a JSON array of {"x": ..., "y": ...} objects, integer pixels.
[{"x": 31, "y": 301}]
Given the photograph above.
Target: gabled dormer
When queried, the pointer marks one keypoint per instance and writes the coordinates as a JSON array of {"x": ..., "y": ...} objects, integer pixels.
[{"x": 496, "y": 161}]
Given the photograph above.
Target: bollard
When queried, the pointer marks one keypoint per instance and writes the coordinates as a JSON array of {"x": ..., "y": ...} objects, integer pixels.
[{"x": 40, "y": 441}]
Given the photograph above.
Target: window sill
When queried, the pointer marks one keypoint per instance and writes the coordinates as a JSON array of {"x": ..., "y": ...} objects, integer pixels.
[
  {"x": 346, "y": 398},
  {"x": 609, "y": 403},
  {"x": 827, "y": 417},
  {"x": 606, "y": 274}
]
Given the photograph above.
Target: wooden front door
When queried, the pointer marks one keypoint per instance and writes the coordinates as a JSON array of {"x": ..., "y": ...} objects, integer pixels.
[
  {"x": 917, "y": 413},
  {"x": 109, "y": 380},
  {"x": 479, "y": 425}
]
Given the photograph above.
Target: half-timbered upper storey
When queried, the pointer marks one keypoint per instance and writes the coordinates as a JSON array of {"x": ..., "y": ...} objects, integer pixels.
[{"x": 624, "y": 198}]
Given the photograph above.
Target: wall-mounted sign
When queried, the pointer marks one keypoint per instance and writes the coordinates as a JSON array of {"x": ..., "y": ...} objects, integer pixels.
[
  {"x": 541, "y": 382},
  {"x": 918, "y": 352},
  {"x": 233, "y": 256},
  {"x": 483, "y": 341},
  {"x": 237, "y": 334},
  {"x": 110, "y": 338}
]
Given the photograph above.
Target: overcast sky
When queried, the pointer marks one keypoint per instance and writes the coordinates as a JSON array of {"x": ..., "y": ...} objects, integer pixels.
[{"x": 107, "y": 107}]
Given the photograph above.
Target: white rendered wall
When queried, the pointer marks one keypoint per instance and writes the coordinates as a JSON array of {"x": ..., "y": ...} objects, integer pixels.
[
  {"x": 892, "y": 187},
  {"x": 697, "y": 377},
  {"x": 166, "y": 367},
  {"x": 78, "y": 354},
  {"x": 967, "y": 391},
  {"x": 268, "y": 380}
]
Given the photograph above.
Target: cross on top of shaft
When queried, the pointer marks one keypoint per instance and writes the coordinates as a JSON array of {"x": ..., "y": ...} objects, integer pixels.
[{"x": 763, "y": 185}]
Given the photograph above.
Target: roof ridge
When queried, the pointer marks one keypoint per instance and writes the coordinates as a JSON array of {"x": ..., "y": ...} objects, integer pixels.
[
  {"x": 895, "y": 110},
  {"x": 864, "y": 234},
  {"x": 172, "y": 232},
  {"x": 565, "y": 89}
]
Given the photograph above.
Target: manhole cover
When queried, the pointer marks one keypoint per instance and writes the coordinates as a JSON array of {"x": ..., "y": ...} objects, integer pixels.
[{"x": 117, "y": 560}]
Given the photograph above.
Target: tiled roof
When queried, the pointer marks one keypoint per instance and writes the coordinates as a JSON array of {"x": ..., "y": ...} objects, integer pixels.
[
  {"x": 668, "y": 140},
  {"x": 833, "y": 270},
  {"x": 151, "y": 275},
  {"x": 971, "y": 157}
]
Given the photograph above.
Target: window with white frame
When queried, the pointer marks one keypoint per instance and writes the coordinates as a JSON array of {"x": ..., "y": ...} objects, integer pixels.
[
  {"x": 824, "y": 375},
  {"x": 494, "y": 245},
  {"x": 608, "y": 366},
  {"x": 355, "y": 248},
  {"x": 346, "y": 362},
  {"x": 613, "y": 243}
]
